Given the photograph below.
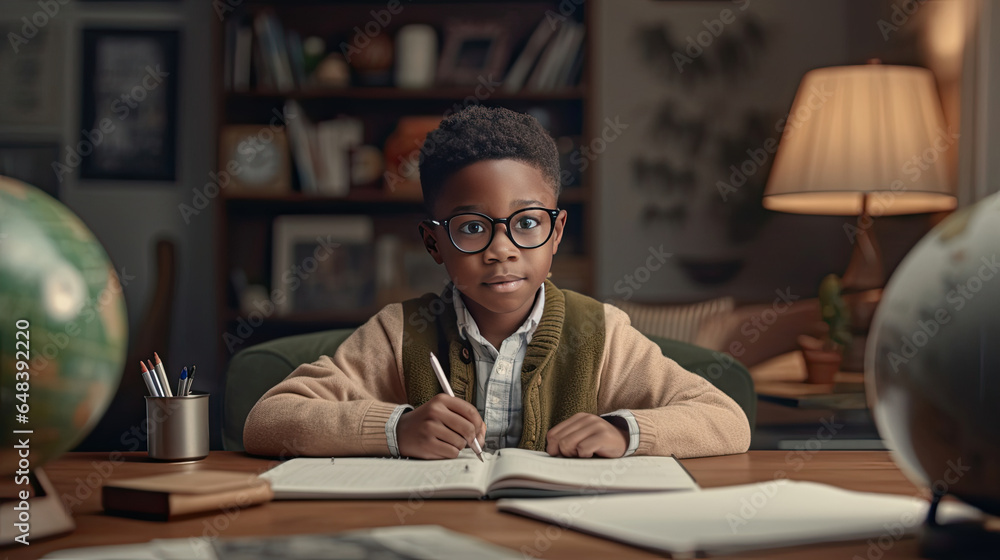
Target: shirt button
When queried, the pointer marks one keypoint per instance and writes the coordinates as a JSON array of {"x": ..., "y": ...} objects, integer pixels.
[{"x": 495, "y": 400}]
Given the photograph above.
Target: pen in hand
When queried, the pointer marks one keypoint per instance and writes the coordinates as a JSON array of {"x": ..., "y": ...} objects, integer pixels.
[{"x": 447, "y": 387}]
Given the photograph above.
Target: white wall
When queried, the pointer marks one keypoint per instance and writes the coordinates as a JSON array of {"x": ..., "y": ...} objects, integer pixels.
[{"x": 800, "y": 36}]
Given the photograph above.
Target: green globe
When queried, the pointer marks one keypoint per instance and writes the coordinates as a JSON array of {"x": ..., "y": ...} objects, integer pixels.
[{"x": 64, "y": 327}]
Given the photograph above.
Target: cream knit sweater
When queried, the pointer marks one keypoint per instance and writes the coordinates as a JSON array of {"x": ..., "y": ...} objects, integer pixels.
[{"x": 339, "y": 405}]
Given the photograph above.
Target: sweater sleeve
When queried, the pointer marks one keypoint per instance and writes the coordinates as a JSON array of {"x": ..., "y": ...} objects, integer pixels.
[
  {"x": 339, "y": 405},
  {"x": 678, "y": 412}
]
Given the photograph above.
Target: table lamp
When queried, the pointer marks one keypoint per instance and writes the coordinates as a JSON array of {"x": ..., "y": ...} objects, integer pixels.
[{"x": 865, "y": 140}]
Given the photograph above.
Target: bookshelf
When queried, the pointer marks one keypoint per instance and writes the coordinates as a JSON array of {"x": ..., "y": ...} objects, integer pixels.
[{"x": 248, "y": 244}]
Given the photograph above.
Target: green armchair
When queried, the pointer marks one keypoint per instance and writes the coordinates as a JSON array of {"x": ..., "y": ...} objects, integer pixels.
[{"x": 254, "y": 370}]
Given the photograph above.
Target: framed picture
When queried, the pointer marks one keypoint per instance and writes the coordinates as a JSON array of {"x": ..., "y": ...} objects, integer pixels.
[
  {"x": 257, "y": 159},
  {"x": 405, "y": 270},
  {"x": 471, "y": 51},
  {"x": 323, "y": 264},
  {"x": 32, "y": 66},
  {"x": 129, "y": 104},
  {"x": 31, "y": 163}
]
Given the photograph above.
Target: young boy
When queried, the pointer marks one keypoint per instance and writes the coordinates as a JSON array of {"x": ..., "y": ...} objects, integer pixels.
[{"x": 547, "y": 369}]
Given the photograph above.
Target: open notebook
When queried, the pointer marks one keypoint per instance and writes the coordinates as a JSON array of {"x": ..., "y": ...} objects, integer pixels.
[
  {"x": 731, "y": 519},
  {"x": 507, "y": 473}
]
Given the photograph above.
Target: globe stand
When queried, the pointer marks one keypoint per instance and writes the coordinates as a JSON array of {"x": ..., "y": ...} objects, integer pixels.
[
  {"x": 968, "y": 539},
  {"x": 47, "y": 518}
]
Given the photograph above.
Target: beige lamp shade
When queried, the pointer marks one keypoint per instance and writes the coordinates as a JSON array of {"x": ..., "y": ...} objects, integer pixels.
[{"x": 867, "y": 138}]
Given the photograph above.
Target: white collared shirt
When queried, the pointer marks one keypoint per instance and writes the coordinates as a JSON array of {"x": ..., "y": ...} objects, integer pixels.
[{"x": 498, "y": 380}]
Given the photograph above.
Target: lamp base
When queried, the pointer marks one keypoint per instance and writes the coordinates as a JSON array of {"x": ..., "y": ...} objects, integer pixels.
[
  {"x": 46, "y": 516},
  {"x": 864, "y": 271}
]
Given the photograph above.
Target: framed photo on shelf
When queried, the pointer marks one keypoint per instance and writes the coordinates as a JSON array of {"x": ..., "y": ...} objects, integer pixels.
[
  {"x": 405, "y": 270},
  {"x": 129, "y": 104},
  {"x": 257, "y": 159},
  {"x": 323, "y": 264},
  {"x": 31, "y": 162},
  {"x": 473, "y": 50}
]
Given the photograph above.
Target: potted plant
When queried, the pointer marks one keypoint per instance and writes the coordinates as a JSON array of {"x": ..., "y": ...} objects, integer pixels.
[{"x": 823, "y": 356}]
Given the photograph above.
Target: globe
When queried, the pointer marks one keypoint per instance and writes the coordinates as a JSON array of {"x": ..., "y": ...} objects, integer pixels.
[
  {"x": 932, "y": 363},
  {"x": 64, "y": 327}
]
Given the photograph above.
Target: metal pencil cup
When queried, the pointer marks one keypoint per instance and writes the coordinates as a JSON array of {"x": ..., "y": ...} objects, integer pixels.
[{"x": 177, "y": 427}]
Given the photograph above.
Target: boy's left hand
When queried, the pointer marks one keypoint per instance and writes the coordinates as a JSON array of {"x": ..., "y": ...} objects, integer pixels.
[{"x": 586, "y": 435}]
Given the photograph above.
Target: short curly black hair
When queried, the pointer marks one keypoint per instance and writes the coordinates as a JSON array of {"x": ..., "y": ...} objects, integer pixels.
[{"x": 480, "y": 133}]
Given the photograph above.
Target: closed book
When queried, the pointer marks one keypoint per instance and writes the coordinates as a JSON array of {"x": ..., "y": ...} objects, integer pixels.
[{"x": 163, "y": 497}]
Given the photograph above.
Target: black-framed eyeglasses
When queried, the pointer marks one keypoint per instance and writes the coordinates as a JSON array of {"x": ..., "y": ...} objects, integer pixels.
[{"x": 472, "y": 232}]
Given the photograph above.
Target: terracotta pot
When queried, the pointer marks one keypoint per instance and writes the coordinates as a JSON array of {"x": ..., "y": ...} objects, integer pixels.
[{"x": 821, "y": 365}]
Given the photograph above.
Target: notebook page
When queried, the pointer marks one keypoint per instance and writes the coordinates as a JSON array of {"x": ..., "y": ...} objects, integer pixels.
[
  {"x": 737, "y": 518},
  {"x": 520, "y": 468},
  {"x": 351, "y": 477}
]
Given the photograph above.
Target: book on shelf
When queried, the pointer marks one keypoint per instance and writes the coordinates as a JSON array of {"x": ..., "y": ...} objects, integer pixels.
[
  {"x": 509, "y": 472},
  {"x": 301, "y": 134},
  {"x": 335, "y": 139},
  {"x": 260, "y": 52},
  {"x": 322, "y": 150},
  {"x": 275, "y": 54},
  {"x": 555, "y": 63},
  {"x": 242, "y": 58},
  {"x": 519, "y": 71},
  {"x": 563, "y": 77}
]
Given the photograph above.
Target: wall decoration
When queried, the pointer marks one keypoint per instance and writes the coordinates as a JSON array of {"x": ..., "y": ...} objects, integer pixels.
[
  {"x": 701, "y": 91},
  {"x": 31, "y": 64},
  {"x": 687, "y": 148},
  {"x": 128, "y": 112}
]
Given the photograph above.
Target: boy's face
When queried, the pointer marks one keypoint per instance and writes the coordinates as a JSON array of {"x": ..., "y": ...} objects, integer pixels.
[{"x": 504, "y": 278}]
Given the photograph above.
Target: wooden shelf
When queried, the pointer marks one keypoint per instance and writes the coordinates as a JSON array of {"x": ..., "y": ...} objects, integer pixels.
[
  {"x": 569, "y": 195},
  {"x": 401, "y": 94},
  {"x": 353, "y": 317},
  {"x": 354, "y": 196},
  {"x": 245, "y": 224}
]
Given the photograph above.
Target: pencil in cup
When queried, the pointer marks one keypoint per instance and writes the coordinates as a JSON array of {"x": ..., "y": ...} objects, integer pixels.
[
  {"x": 152, "y": 382},
  {"x": 162, "y": 373}
]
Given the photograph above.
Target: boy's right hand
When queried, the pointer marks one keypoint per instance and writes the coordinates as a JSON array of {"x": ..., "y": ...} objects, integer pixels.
[{"x": 439, "y": 428}]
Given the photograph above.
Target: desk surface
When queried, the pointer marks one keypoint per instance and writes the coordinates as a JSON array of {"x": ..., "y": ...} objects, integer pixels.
[{"x": 78, "y": 477}]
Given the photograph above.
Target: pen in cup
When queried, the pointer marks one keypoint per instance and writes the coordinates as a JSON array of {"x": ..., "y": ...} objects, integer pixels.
[
  {"x": 447, "y": 387},
  {"x": 182, "y": 382},
  {"x": 190, "y": 381}
]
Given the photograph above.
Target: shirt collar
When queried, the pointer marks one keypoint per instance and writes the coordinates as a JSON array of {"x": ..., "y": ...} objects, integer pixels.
[{"x": 468, "y": 328}]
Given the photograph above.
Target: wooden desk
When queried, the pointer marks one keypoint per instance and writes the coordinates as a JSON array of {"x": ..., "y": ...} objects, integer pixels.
[{"x": 78, "y": 477}]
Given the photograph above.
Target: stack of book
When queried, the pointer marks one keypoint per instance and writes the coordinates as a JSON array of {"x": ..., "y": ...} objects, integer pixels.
[
  {"x": 551, "y": 59},
  {"x": 322, "y": 150},
  {"x": 262, "y": 48}
]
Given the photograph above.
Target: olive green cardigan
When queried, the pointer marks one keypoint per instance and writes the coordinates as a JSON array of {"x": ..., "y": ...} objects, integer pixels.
[{"x": 559, "y": 376}]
